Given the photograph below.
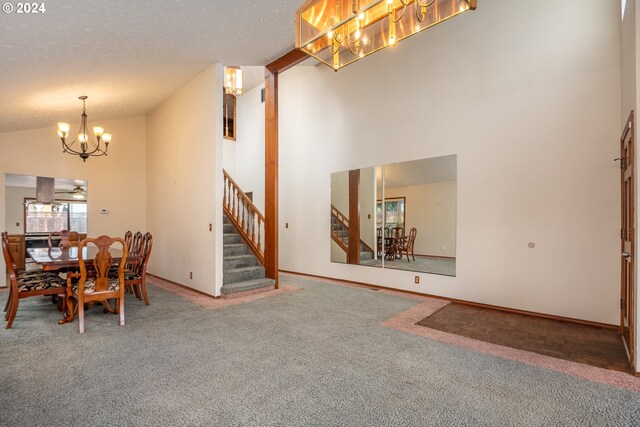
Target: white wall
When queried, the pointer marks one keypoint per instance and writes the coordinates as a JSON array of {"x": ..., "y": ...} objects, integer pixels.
[
  {"x": 248, "y": 149},
  {"x": 117, "y": 182},
  {"x": 529, "y": 100},
  {"x": 184, "y": 176},
  {"x": 14, "y": 208},
  {"x": 431, "y": 209}
]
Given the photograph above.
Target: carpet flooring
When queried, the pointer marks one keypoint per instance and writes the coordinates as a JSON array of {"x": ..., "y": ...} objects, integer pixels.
[
  {"x": 315, "y": 356},
  {"x": 422, "y": 264}
]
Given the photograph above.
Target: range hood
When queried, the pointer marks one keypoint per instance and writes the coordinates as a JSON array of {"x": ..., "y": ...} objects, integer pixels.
[{"x": 45, "y": 190}]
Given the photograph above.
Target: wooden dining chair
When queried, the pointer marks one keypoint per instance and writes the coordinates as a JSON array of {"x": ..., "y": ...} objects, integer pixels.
[
  {"x": 23, "y": 284},
  {"x": 67, "y": 239},
  {"x": 127, "y": 238},
  {"x": 99, "y": 287},
  {"x": 137, "y": 275},
  {"x": 398, "y": 237},
  {"x": 406, "y": 247}
]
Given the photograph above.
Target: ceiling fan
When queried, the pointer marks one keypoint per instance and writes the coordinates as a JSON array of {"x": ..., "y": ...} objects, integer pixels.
[{"x": 77, "y": 193}]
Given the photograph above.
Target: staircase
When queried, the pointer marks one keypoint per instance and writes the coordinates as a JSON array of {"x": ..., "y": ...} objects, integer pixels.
[
  {"x": 340, "y": 235},
  {"x": 242, "y": 270},
  {"x": 343, "y": 235}
]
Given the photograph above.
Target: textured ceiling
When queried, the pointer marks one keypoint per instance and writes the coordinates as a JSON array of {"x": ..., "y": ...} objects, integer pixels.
[
  {"x": 29, "y": 181},
  {"x": 127, "y": 56}
]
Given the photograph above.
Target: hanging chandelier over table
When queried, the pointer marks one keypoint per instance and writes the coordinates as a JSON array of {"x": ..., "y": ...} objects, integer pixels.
[
  {"x": 84, "y": 146},
  {"x": 339, "y": 32}
]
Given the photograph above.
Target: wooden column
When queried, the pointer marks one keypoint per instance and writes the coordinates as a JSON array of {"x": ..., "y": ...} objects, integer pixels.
[
  {"x": 353, "y": 256},
  {"x": 271, "y": 176},
  {"x": 271, "y": 158}
]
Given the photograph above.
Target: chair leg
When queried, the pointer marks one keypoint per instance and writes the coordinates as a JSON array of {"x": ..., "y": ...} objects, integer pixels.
[
  {"x": 136, "y": 290},
  {"x": 143, "y": 288},
  {"x": 80, "y": 317},
  {"x": 6, "y": 306},
  {"x": 13, "y": 309},
  {"x": 121, "y": 303},
  {"x": 9, "y": 305}
]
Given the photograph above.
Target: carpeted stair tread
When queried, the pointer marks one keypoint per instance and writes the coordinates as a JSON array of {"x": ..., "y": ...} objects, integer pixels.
[
  {"x": 243, "y": 274},
  {"x": 238, "y": 261},
  {"x": 235, "y": 249},
  {"x": 231, "y": 238},
  {"x": 248, "y": 285}
]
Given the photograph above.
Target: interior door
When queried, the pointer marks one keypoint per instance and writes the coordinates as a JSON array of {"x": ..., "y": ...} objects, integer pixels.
[{"x": 627, "y": 235}]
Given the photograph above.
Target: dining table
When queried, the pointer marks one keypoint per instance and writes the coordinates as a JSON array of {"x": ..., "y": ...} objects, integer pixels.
[{"x": 52, "y": 259}]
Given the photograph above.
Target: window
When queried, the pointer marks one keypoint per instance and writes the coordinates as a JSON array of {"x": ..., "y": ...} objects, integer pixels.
[
  {"x": 44, "y": 218},
  {"x": 229, "y": 116},
  {"x": 394, "y": 212}
]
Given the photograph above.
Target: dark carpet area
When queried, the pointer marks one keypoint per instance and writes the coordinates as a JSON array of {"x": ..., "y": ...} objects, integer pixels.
[
  {"x": 569, "y": 341},
  {"x": 316, "y": 356}
]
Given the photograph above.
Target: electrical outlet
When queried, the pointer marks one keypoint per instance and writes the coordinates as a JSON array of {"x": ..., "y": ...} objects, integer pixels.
[
  {"x": 417, "y": 280},
  {"x": 210, "y": 227},
  {"x": 286, "y": 225},
  {"x": 191, "y": 275},
  {"x": 17, "y": 224}
]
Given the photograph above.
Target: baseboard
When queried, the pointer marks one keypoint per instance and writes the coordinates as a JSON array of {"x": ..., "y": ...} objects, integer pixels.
[
  {"x": 469, "y": 303},
  {"x": 183, "y": 286},
  {"x": 435, "y": 256}
]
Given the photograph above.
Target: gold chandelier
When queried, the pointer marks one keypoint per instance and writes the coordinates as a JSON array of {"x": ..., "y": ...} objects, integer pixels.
[
  {"x": 339, "y": 32},
  {"x": 84, "y": 146}
]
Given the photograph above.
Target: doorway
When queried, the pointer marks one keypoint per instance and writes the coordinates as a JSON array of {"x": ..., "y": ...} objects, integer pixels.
[{"x": 627, "y": 236}]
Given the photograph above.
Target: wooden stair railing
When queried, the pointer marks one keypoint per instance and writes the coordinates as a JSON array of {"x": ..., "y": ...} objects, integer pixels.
[
  {"x": 339, "y": 225},
  {"x": 245, "y": 216},
  {"x": 338, "y": 234}
]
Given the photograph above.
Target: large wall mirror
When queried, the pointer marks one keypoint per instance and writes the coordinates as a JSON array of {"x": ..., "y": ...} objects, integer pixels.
[{"x": 399, "y": 215}]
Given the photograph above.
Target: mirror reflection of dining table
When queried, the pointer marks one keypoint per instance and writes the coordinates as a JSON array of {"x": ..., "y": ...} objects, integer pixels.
[{"x": 52, "y": 259}]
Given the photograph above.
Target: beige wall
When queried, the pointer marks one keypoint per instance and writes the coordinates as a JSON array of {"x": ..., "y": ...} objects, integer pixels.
[
  {"x": 14, "y": 208},
  {"x": 117, "y": 182},
  {"x": 184, "y": 179},
  {"x": 530, "y": 105},
  {"x": 431, "y": 209}
]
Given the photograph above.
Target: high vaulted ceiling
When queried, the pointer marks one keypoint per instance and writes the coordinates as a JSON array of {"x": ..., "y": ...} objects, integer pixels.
[{"x": 127, "y": 56}]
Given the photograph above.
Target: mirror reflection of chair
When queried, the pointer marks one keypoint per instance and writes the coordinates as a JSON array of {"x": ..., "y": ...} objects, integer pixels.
[
  {"x": 67, "y": 239},
  {"x": 24, "y": 284},
  {"x": 406, "y": 245},
  {"x": 82, "y": 288}
]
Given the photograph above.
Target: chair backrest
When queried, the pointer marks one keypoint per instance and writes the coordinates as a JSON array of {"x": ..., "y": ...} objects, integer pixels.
[
  {"x": 145, "y": 253},
  {"x": 128, "y": 236},
  {"x": 102, "y": 262},
  {"x": 412, "y": 237},
  {"x": 136, "y": 242},
  {"x": 387, "y": 232},
  {"x": 379, "y": 232},
  {"x": 8, "y": 259},
  {"x": 67, "y": 239},
  {"x": 397, "y": 232}
]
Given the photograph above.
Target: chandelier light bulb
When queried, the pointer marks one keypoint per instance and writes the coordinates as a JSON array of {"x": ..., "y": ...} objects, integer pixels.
[
  {"x": 339, "y": 32},
  {"x": 106, "y": 137},
  {"x": 98, "y": 131},
  {"x": 63, "y": 127},
  {"x": 82, "y": 137}
]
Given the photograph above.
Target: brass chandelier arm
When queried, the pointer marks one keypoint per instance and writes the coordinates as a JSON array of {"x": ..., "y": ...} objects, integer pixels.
[{"x": 84, "y": 145}]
